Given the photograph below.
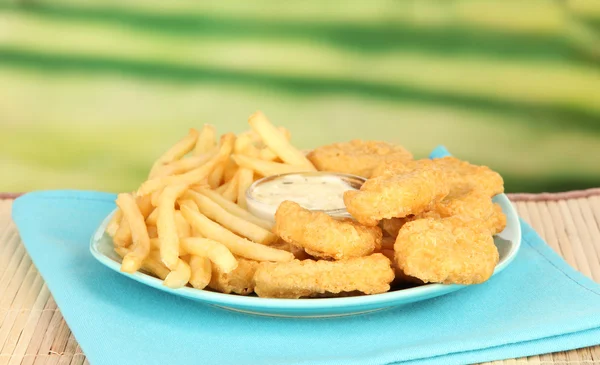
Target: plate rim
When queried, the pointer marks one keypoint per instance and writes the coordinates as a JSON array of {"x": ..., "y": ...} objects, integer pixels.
[{"x": 221, "y": 299}]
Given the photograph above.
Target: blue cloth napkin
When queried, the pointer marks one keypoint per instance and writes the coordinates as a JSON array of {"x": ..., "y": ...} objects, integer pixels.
[{"x": 537, "y": 305}]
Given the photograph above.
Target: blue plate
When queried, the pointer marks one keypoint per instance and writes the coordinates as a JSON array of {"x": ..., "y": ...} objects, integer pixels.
[{"x": 508, "y": 243}]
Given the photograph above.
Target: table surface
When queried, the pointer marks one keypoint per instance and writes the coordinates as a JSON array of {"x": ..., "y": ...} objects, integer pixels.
[{"x": 33, "y": 331}]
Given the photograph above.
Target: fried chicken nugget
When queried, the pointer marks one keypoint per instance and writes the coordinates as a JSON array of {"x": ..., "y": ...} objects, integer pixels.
[
  {"x": 239, "y": 281},
  {"x": 452, "y": 250},
  {"x": 412, "y": 191},
  {"x": 323, "y": 236},
  {"x": 295, "y": 279},
  {"x": 460, "y": 175},
  {"x": 356, "y": 157},
  {"x": 474, "y": 204}
]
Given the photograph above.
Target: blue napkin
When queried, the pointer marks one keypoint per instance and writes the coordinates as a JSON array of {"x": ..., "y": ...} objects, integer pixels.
[{"x": 537, "y": 305}]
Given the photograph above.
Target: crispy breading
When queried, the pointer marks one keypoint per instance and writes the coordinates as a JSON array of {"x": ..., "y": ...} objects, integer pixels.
[
  {"x": 474, "y": 204},
  {"x": 239, "y": 281},
  {"x": 356, "y": 157},
  {"x": 400, "y": 277},
  {"x": 397, "y": 195},
  {"x": 295, "y": 279},
  {"x": 459, "y": 175},
  {"x": 450, "y": 250},
  {"x": 323, "y": 236}
]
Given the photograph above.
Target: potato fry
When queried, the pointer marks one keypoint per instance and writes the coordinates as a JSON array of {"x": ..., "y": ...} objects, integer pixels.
[
  {"x": 122, "y": 237},
  {"x": 237, "y": 225},
  {"x": 121, "y": 251},
  {"x": 179, "y": 276},
  {"x": 215, "y": 177},
  {"x": 167, "y": 226},
  {"x": 145, "y": 205},
  {"x": 245, "y": 146},
  {"x": 207, "y": 139},
  {"x": 153, "y": 265},
  {"x": 152, "y": 232},
  {"x": 233, "y": 208},
  {"x": 201, "y": 271},
  {"x": 266, "y": 168},
  {"x": 192, "y": 205},
  {"x": 176, "y": 151},
  {"x": 141, "y": 242},
  {"x": 115, "y": 221},
  {"x": 193, "y": 176},
  {"x": 223, "y": 187},
  {"x": 155, "y": 196},
  {"x": 183, "y": 227},
  {"x": 245, "y": 179},
  {"x": 267, "y": 155},
  {"x": 277, "y": 142},
  {"x": 185, "y": 164},
  {"x": 230, "y": 193},
  {"x": 237, "y": 245},
  {"x": 218, "y": 253},
  {"x": 152, "y": 218},
  {"x": 230, "y": 169}
]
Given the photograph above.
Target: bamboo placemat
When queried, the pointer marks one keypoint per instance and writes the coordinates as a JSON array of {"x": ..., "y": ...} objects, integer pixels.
[{"x": 33, "y": 332}]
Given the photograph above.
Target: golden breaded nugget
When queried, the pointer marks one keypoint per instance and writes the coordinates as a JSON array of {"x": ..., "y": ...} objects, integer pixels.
[
  {"x": 295, "y": 279},
  {"x": 356, "y": 157},
  {"x": 397, "y": 195},
  {"x": 474, "y": 204},
  {"x": 323, "y": 236},
  {"x": 459, "y": 175},
  {"x": 450, "y": 250},
  {"x": 238, "y": 281}
]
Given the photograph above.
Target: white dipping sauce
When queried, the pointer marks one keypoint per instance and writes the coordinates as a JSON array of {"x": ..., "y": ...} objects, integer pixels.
[{"x": 313, "y": 191}]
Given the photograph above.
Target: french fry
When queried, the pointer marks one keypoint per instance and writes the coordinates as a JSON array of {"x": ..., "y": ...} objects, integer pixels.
[
  {"x": 233, "y": 223},
  {"x": 201, "y": 271},
  {"x": 152, "y": 232},
  {"x": 115, "y": 221},
  {"x": 267, "y": 168},
  {"x": 267, "y": 155},
  {"x": 230, "y": 169},
  {"x": 153, "y": 265},
  {"x": 177, "y": 151},
  {"x": 218, "y": 253},
  {"x": 233, "y": 208},
  {"x": 141, "y": 242},
  {"x": 145, "y": 205},
  {"x": 206, "y": 140},
  {"x": 185, "y": 164},
  {"x": 230, "y": 193},
  {"x": 122, "y": 237},
  {"x": 277, "y": 142},
  {"x": 121, "y": 251},
  {"x": 223, "y": 187},
  {"x": 183, "y": 227},
  {"x": 155, "y": 196},
  {"x": 245, "y": 146},
  {"x": 215, "y": 177},
  {"x": 192, "y": 205},
  {"x": 167, "y": 226},
  {"x": 179, "y": 275},
  {"x": 237, "y": 245},
  {"x": 152, "y": 218},
  {"x": 193, "y": 176},
  {"x": 245, "y": 179}
]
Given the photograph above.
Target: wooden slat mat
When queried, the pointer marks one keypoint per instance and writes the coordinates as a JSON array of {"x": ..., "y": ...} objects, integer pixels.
[{"x": 33, "y": 332}]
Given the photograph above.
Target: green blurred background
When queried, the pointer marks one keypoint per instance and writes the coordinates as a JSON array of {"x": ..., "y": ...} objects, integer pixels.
[{"x": 91, "y": 92}]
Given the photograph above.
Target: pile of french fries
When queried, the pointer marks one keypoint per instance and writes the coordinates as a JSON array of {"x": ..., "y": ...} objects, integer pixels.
[{"x": 189, "y": 219}]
